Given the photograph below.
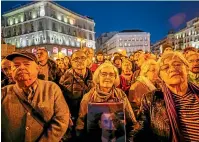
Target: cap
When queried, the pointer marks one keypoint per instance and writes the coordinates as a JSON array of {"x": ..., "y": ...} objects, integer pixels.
[{"x": 25, "y": 54}]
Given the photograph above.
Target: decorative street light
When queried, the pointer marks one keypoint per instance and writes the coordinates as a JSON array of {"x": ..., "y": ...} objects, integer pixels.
[{"x": 81, "y": 40}]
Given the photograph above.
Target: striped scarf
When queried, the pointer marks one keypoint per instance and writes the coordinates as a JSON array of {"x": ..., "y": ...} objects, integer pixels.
[{"x": 171, "y": 111}]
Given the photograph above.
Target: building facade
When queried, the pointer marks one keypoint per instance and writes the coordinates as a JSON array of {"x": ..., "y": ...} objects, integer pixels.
[
  {"x": 169, "y": 39},
  {"x": 129, "y": 40},
  {"x": 103, "y": 38},
  {"x": 49, "y": 25},
  {"x": 189, "y": 36}
]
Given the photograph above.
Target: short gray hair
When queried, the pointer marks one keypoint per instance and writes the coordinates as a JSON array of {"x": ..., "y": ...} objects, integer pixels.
[
  {"x": 172, "y": 55},
  {"x": 146, "y": 66},
  {"x": 104, "y": 65}
]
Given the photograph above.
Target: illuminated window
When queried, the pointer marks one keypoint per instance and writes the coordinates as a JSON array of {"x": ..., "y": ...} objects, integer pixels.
[{"x": 125, "y": 44}]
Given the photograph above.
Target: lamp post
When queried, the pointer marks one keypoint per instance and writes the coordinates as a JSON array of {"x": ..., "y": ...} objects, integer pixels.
[{"x": 81, "y": 40}]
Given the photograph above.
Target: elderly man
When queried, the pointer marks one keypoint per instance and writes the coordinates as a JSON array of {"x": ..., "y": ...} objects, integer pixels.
[
  {"x": 171, "y": 114},
  {"x": 193, "y": 60},
  {"x": 32, "y": 109},
  {"x": 6, "y": 69},
  {"x": 47, "y": 67},
  {"x": 76, "y": 82},
  {"x": 106, "y": 78}
]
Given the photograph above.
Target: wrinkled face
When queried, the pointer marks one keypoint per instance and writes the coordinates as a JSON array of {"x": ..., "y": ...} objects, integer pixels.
[
  {"x": 6, "y": 68},
  {"x": 78, "y": 61},
  {"x": 118, "y": 63},
  {"x": 42, "y": 55},
  {"x": 66, "y": 61},
  {"x": 193, "y": 60},
  {"x": 24, "y": 69},
  {"x": 126, "y": 67},
  {"x": 107, "y": 77},
  {"x": 173, "y": 71},
  {"x": 108, "y": 121},
  {"x": 100, "y": 58},
  {"x": 168, "y": 49},
  {"x": 152, "y": 73}
]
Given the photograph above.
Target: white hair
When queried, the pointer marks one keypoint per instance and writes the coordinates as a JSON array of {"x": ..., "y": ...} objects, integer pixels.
[{"x": 105, "y": 65}]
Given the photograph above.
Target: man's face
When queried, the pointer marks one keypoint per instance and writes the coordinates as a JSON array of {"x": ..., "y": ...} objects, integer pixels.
[
  {"x": 42, "y": 55},
  {"x": 79, "y": 61},
  {"x": 173, "y": 71},
  {"x": 24, "y": 69},
  {"x": 132, "y": 58},
  {"x": 100, "y": 58},
  {"x": 193, "y": 60},
  {"x": 152, "y": 73},
  {"x": 118, "y": 63},
  {"x": 168, "y": 49},
  {"x": 6, "y": 68},
  {"x": 108, "y": 121},
  {"x": 126, "y": 67},
  {"x": 107, "y": 77},
  {"x": 90, "y": 53}
]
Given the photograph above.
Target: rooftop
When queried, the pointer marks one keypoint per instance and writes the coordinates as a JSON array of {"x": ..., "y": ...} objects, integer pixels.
[{"x": 133, "y": 30}]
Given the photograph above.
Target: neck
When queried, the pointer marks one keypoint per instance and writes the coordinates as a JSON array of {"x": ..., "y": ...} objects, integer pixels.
[
  {"x": 179, "y": 89},
  {"x": 81, "y": 71},
  {"x": 105, "y": 89},
  {"x": 43, "y": 62},
  {"x": 26, "y": 84}
]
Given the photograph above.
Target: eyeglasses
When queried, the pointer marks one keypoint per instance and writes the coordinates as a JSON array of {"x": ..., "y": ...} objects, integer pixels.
[
  {"x": 105, "y": 74},
  {"x": 76, "y": 59},
  {"x": 193, "y": 61}
]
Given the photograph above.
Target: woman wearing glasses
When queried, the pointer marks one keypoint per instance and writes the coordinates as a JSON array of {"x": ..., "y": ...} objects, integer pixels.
[{"x": 106, "y": 78}]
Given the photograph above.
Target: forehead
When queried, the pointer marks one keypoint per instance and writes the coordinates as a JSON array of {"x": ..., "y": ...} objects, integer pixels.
[
  {"x": 107, "y": 69},
  {"x": 107, "y": 116},
  {"x": 171, "y": 59},
  {"x": 77, "y": 54},
  {"x": 41, "y": 51},
  {"x": 192, "y": 55},
  {"x": 21, "y": 59}
]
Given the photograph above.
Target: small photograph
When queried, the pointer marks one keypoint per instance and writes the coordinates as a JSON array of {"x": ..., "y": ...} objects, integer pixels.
[{"x": 106, "y": 122}]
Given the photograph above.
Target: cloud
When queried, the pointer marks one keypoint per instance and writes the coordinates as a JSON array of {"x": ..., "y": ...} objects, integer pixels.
[{"x": 177, "y": 20}]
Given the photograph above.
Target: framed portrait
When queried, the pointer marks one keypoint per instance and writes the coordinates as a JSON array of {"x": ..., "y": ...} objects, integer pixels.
[{"x": 106, "y": 122}]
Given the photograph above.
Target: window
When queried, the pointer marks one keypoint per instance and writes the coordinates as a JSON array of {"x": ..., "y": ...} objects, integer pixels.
[{"x": 125, "y": 44}]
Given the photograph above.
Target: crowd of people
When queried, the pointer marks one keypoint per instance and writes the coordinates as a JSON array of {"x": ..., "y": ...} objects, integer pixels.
[{"x": 45, "y": 100}]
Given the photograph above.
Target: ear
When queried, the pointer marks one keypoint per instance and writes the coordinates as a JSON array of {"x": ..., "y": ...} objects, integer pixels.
[{"x": 99, "y": 123}]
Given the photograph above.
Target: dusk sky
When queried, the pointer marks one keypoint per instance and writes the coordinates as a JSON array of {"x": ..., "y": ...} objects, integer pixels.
[{"x": 157, "y": 18}]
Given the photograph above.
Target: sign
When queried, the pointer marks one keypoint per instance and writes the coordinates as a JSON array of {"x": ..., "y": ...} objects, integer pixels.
[
  {"x": 70, "y": 52},
  {"x": 63, "y": 50},
  {"x": 106, "y": 121}
]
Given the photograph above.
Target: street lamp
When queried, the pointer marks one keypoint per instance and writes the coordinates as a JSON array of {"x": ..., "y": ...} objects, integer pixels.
[{"x": 81, "y": 40}]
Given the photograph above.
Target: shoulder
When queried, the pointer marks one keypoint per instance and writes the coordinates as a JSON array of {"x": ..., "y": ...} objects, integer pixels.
[
  {"x": 7, "y": 90},
  {"x": 134, "y": 85},
  {"x": 120, "y": 93},
  {"x": 88, "y": 95},
  {"x": 154, "y": 95},
  {"x": 48, "y": 84}
]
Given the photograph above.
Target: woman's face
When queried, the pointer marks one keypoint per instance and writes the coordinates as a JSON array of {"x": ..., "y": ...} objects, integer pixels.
[
  {"x": 66, "y": 61},
  {"x": 107, "y": 77},
  {"x": 152, "y": 73},
  {"x": 173, "y": 71}
]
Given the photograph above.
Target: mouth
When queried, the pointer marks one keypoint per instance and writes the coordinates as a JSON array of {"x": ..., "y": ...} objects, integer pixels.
[{"x": 174, "y": 75}]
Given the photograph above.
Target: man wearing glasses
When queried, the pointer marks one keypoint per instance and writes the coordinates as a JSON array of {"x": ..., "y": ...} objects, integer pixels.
[
  {"x": 47, "y": 67},
  {"x": 76, "y": 82}
]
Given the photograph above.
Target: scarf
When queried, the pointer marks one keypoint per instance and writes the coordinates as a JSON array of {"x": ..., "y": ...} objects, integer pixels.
[
  {"x": 171, "y": 111},
  {"x": 146, "y": 82}
]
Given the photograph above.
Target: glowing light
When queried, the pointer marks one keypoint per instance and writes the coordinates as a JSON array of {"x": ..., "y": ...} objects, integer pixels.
[
  {"x": 16, "y": 20},
  {"x": 59, "y": 17},
  {"x": 55, "y": 50},
  {"x": 34, "y": 15},
  {"x": 22, "y": 18},
  {"x": 63, "y": 50},
  {"x": 71, "y": 21},
  {"x": 65, "y": 19},
  {"x": 42, "y": 11}
]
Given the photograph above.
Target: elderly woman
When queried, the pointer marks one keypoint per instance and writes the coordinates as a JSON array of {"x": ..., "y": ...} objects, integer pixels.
[
  {"x": 106, "y": 79},
  {"x": 172, "y": 113},
  {"x": 144, "y": 84}
]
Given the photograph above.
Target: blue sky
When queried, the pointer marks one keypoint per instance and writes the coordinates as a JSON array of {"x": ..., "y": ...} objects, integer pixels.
[{"x": 154, "y": 17}]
